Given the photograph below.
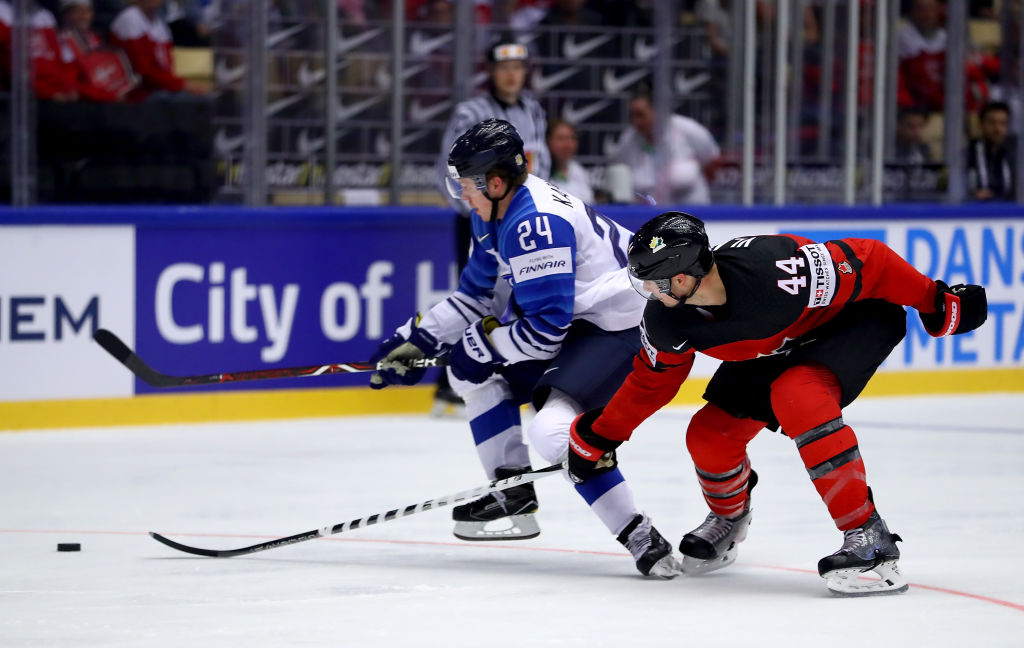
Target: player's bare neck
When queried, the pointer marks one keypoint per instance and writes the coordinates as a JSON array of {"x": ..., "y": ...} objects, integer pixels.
[{"x": 711, "y": 291}]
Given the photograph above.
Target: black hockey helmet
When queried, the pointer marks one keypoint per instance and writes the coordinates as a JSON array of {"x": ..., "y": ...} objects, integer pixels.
[
  {"x": 507, "y": 49},
  {"x": 669, "y": 244},
  {"x": 493, "y": 144}
]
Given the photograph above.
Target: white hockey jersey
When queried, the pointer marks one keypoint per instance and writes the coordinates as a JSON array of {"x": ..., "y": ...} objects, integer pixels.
[{"x": 550, "y": 260}]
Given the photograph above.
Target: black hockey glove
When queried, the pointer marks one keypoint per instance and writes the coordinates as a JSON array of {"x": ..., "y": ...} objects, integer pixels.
[
  {"x": 590, "y": 453},
  {"x": 958, "y": 309},
  {"x": 408, "y": 343}
]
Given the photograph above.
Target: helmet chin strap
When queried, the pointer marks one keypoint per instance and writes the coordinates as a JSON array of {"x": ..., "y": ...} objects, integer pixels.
[
  {"x": 495, "y": 201},
  {"x": 696, "y": 285}
]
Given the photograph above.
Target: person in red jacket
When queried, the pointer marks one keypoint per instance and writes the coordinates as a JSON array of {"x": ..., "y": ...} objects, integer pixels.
[
  {"x": 52, "y": 78},
  {"x": 146, "y": 39},
  {"x": 801, "y": 327},
  {"x": 101, "y": 73}
]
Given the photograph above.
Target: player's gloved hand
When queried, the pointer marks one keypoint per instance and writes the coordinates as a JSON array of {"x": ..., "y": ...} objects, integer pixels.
[
  {"x": 590, "y": 453},
  {"x": 474, "y": 358},
  {"x": 958, "y": 309},
  {"x": 408, "y": 343}
]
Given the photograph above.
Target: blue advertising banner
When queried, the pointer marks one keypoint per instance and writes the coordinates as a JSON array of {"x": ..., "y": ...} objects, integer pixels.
[{"x": 228, "y": 299}]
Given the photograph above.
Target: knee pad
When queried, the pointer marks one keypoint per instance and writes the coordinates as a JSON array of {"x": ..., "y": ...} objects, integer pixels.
[{"x": 549, "y": 430}]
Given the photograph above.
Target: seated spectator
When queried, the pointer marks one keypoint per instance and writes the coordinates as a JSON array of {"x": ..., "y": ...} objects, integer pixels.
[
  {"x": 101, "y": 73},
  {"x": 566, "y": 173},
  {"x": 52, "y": 78},
  {"x": 911, "y": 148},
  {"x": 922, "y": 66},
  {"x": 691, "y": 154},
  {"x": 146, "y": 39},
  {"x": 991, "y": 159},
  {"x": 189, "y": 22}
]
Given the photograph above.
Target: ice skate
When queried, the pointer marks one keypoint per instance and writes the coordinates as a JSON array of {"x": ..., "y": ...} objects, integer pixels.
[
  {"x": 867, "y": 548},
  {"x": 712, "y": 545},
  {"x": 503, "y": 515},
  {"x": 653, "y": 554}
]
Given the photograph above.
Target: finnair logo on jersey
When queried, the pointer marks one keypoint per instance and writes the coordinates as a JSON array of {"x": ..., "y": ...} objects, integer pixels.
[
  {"x": 541, "y": 264},
  {"x": 823, "y": 275}
]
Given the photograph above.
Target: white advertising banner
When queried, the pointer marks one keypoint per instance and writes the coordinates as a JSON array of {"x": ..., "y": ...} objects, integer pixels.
[{"x": 57, "y": 285}]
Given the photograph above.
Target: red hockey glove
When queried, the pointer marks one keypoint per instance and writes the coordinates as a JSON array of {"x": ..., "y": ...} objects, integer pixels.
[
  {"x": 959, "y": 309},
  {"x": 590, "y": 454}
]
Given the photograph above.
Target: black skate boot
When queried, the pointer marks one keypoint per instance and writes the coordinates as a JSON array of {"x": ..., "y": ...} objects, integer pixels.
[
  {"x": 653, "y": 554},
  {"x": 513, "y": 506},
  {"x": 712, "y": 545},
  {"x": 867, "y": 548}
]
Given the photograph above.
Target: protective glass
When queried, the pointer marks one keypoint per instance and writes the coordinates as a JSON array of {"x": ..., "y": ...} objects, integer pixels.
[
  {"x": 453, "y": 183},
  {"x": 663, "y": 285}
]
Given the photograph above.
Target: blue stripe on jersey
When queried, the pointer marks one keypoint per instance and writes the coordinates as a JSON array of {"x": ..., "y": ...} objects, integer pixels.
[
  {"x": 546, "y": 302},
  {"x": 494, "y": 421},
  {"x": 599, "y": 484}
]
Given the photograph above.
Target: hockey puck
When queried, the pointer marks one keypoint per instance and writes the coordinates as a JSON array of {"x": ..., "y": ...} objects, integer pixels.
[{"x": 69, "y": 546}]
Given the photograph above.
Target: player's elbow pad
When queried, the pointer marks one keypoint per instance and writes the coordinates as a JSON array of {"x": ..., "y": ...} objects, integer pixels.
[{"x": 958, "y": 309}]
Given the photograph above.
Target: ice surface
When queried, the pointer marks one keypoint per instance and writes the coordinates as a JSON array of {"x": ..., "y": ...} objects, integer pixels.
[{"x": 947, "y": 475}]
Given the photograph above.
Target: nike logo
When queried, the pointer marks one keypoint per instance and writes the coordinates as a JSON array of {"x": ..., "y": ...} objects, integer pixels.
[
  {"x": 419, "y": 113},
  {"x": 542, "y": 83},
  {"x": 342, "y": 112},
  {"x": 680, "y": 346},
  {"x": 382, "y": 145},
  {"x": 275, "y": 107},
  {"x": 224, "y": 144},
  {"x": 345, "y": 44},
  {"x": 420, "y": 44},
  {"x": 383, "y": 75},
  {"x": 685, "y": 85},
  {"x": 573, "y": 50},
  {"x": 549, "y": 370},
  {"x": 481, "y": 239},
  {"x": 574, "y": 115},
  {"x": 277, "y": 37},
  {"x": 309, "y": 77},
  {"x": 615, "y": 84},
  {"x": 226, "y": 75},
  {"x": 306, "y": 145},
  {"x": 644, "y": 50}
]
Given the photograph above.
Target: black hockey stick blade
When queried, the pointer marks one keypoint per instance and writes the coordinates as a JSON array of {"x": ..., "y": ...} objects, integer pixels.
[
  {"x": 370, "y": 520},
  {"x": 115, "y": 347}
]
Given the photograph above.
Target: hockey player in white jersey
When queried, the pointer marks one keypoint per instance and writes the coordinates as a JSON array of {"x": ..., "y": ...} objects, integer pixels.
[{"x": 544, "y": 313}]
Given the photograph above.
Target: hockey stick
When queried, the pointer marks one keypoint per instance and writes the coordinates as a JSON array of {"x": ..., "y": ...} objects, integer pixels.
[
  {"x": 115, "y": 347},
  {"x": 376, "y": 518}
]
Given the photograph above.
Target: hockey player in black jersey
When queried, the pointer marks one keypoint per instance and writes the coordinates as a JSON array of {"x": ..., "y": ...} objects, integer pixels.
[{"x": 801, "y": 327}]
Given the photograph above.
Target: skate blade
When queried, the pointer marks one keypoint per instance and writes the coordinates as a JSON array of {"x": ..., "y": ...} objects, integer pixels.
[
  {"x": 697, "y": 566},
  {"x": 850, "y": 582},
  {"x": 512, "y": 527}
]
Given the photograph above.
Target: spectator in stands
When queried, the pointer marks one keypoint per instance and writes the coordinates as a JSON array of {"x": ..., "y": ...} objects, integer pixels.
[
  {"x": 52, "y": 78},
  {"x": 190, "y": 22},
  {"x": 101, "y": 73},
  {"x": 690, "y": 151},
  {"x": 911, "y": 148},
  {"x": 991, "y": 159},
  {"x": 566, "y": 173},
  {"x": 146, "y": 39}
]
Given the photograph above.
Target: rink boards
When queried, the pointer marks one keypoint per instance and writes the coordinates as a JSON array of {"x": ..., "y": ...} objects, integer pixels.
[{"x": 206, "y": 290}]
